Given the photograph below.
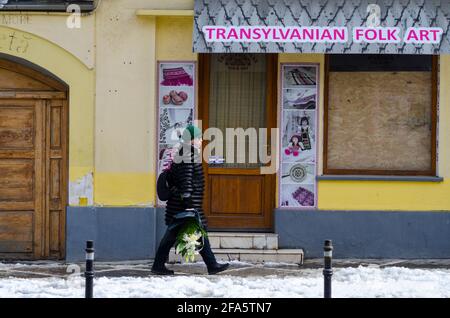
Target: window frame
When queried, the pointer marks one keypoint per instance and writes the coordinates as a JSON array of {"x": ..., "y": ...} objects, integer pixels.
[{"x": 364, "y": 172}]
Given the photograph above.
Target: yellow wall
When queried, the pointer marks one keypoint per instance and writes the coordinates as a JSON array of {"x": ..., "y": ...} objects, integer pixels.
[
  {"x": 128, "y": 48},
  {"x": 174, "y": 39},
  {"x": 125, "y": 118},
  {"x": 113, "y": 145},
  {"x": 76, "y": 74}
]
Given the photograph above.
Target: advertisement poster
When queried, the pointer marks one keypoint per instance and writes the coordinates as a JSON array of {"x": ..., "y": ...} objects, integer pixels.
[
  {"x": 176, "y": 107},
  {"x": 298, "y": 151}
]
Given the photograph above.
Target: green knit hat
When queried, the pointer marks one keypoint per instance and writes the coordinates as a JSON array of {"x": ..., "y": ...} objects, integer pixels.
[{"x": 190, "y": 133}]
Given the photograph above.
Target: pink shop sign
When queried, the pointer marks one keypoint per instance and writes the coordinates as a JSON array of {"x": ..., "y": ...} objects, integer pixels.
[{"x": 321, "y": 34}]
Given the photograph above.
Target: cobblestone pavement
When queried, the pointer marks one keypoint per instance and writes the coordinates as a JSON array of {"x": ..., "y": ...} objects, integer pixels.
[{"x": 142, "y": 268}]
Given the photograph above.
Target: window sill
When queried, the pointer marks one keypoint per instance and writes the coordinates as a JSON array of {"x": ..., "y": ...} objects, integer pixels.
[{"x": 380, "y": 178}]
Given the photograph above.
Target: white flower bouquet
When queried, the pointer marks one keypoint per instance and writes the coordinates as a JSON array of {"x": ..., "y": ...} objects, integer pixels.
[{"x": 189, "y": 240}]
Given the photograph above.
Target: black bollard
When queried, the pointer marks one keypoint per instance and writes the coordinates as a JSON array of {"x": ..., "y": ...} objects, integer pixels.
[
  {"x": 328, "y": 270},
  {"x": 89, "y": 273}
]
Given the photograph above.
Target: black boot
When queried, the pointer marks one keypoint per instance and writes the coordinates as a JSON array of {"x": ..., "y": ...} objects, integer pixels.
[
  {"x": 159, "y": 267},
  {"x": 210, "y": 260},
  {"x": 217, "y": 268},
  {"x": 162, "y": 270}
]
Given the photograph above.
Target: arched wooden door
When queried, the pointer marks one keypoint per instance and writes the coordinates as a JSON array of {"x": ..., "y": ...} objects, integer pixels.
[{"x": 33, "y": 163}]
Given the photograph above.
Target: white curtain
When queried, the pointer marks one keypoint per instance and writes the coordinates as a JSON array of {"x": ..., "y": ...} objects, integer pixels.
[{"x": 238, "y": 93}]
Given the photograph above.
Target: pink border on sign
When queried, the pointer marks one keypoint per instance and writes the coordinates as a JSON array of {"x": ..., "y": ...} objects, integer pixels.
[
  {"x": 158, "y": 81},
  {"x": 282, "y": 66}
]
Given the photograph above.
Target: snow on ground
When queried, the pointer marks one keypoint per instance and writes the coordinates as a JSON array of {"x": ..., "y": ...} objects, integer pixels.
[{"x": 369, "y": 281}]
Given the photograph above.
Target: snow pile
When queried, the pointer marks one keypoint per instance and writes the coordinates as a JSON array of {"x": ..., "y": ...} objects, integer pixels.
[{"x": 347, "y": 282}]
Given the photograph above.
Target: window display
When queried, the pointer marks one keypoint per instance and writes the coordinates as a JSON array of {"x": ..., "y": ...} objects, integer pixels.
[
  {"x": 176, "y": 107},
  {"x": 298, "y": 136}
]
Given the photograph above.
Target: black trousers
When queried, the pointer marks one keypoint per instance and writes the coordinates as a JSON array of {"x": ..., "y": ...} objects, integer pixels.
[{"x": 169, "y": 240}]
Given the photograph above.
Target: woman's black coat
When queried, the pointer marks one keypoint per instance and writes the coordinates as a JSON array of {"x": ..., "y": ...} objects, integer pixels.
[{"x": 187, "y": 176}]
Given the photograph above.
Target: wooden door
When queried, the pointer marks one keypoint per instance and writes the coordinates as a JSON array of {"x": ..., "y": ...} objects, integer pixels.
[
  {"x": 21, "y": 176},
  {"x": 237, "y": 196},
  {"x": 56, "y": 176},
  {"x": 33, "y": 156}
]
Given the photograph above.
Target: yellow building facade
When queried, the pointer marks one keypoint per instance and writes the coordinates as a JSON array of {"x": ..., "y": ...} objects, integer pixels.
[{"x": 110, "y": 66}]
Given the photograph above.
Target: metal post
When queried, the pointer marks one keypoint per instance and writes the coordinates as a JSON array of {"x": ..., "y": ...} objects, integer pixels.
[
  {"x": 89, "y": 273},
  {"x": 328, "y": 270}
]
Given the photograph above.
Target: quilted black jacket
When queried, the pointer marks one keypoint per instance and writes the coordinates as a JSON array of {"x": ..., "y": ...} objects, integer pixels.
[{"x": 188, "y": 178}]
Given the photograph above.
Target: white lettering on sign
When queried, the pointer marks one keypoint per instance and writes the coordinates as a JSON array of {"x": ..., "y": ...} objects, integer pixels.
[
  {"x": 382, "y": 35},
  {"x": 424, "y": 35},
  {"x": 376, "y": 35},
  {"x": 275, "y": 34}
]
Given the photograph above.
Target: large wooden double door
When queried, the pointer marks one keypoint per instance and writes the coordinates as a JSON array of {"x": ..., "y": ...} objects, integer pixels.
[
  {"x": 33, "y": 164},
  {"x": 238, "y": 91}
]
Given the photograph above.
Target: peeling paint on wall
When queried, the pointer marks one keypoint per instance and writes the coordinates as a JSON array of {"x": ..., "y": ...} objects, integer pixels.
[{"x": 81, "y": 191}]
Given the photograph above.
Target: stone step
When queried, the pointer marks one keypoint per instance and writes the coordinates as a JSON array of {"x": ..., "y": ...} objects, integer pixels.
[
  {"x": 289, "y": 256},
  {"x": 228, "y": 240}
]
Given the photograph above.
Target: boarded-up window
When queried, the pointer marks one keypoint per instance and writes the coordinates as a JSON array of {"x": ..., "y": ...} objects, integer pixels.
[{"x": 381, "y": 114}]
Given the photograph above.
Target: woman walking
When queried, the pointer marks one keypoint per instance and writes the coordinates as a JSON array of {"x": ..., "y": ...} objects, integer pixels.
[{"x": 187, "y": 179}]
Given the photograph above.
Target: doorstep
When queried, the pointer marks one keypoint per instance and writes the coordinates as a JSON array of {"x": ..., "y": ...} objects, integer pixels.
[
  {"x": 288, "y": 256},
  {"x": 234, "y": 240}
]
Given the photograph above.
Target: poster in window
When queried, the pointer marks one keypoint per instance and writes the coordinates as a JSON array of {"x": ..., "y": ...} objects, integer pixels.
[
  {"x": 298, "y": 136},
  {"x": 176, "y": 97},
  {"x": 297, "y": 173},
  {"x": 176, "y": 107},
  {"x": 296, "y": 76},
  {"x": 297, "y": 196},
  {"x": 298, "y": 144},
  {"x": 299, "y": 98},
  {"x": 176, "y": 74},
  {"x": 172, "y": 124}
]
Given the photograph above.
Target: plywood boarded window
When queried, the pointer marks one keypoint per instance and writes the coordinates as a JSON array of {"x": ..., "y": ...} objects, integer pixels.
[{"x": 381, "y": 115}]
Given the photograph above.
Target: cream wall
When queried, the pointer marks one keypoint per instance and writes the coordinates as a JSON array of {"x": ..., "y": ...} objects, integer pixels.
[{"x": 53, "y": 27}]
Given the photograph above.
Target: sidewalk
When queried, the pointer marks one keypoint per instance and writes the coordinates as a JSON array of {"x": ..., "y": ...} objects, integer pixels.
[{"x": 239, "y": 269}]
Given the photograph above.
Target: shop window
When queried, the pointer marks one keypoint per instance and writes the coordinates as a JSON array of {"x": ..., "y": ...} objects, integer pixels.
[
  {"x": 237, "y": 99},
  {"x": 380, "y": 115}
]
